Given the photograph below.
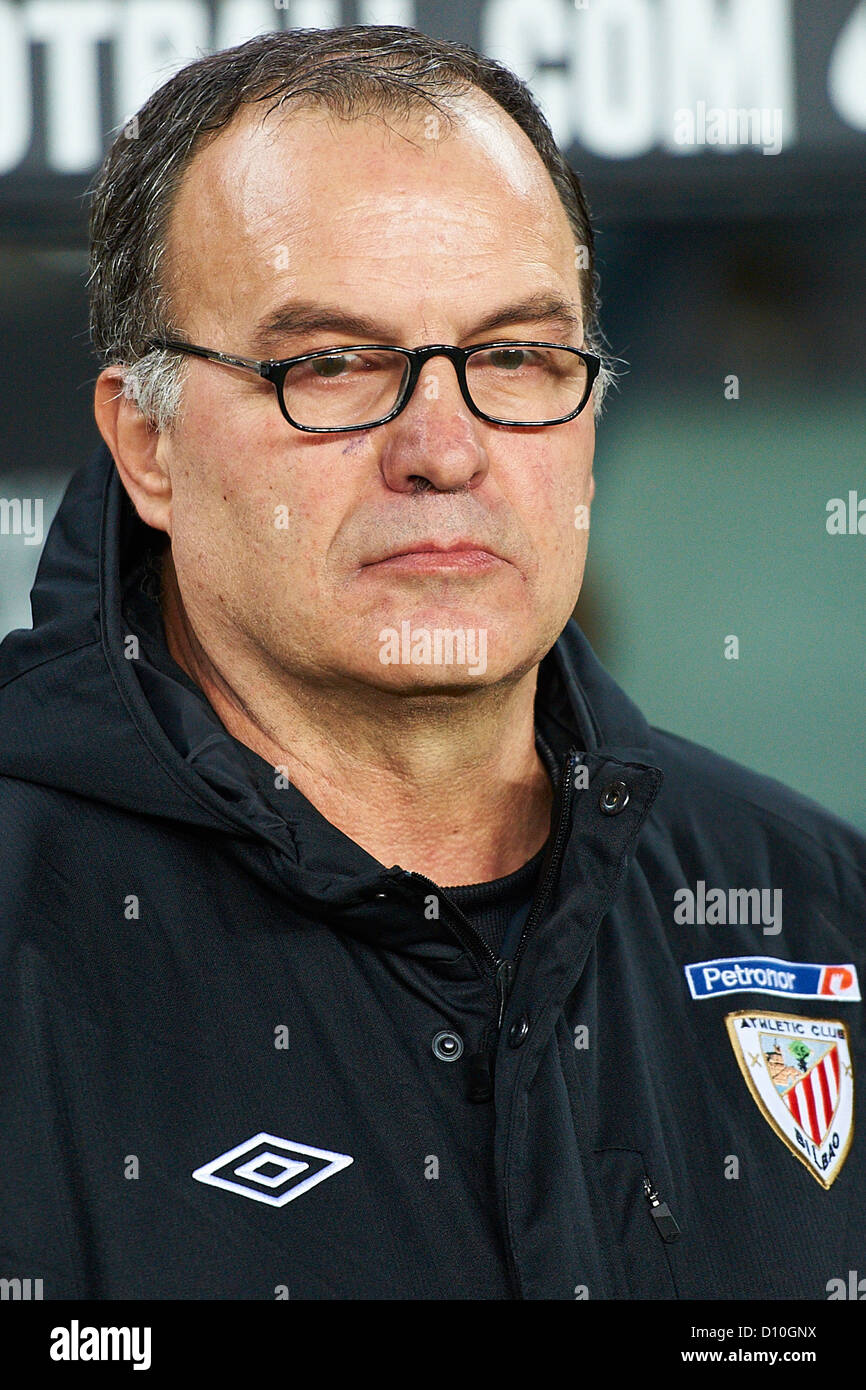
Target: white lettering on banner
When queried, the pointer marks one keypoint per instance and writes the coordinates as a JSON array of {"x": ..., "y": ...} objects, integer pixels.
[
  {"x": 386, "y": 12},
  {"x": 523, "y": 34},
  {"x": 627, "y": 65},
  {"x": 614, "y": 88},
  {"x": 151, "y": 39},
  {"x": 239, "y": 20},
  {"x": 845, "y": 85},
  {"x": 609, "y": 74},
  {"x": 156, "y": 37},
  {"x": 314, "y": 14},
  {"x": 15, "y": 91},
  {"x": 69, "y": 31},
  {"x": 736, "y": 58}
]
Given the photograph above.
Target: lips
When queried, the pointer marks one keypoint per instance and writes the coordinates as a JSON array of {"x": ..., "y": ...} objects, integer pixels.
[
  {"x": 456, "y": 552},
  {"x": 453, "y": 562}
]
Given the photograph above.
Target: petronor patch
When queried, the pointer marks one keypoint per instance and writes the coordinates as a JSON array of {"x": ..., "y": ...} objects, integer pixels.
[
  {"x": 800, "y": 1073},
  {"x": 769, "y": 975}
]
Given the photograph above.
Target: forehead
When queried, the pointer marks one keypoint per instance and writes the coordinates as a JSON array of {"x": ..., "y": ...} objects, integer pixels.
[{"x": 305, "y": 203}]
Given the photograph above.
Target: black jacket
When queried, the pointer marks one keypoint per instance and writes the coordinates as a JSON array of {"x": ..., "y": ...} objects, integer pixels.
[{"x": 197, "y": 972}]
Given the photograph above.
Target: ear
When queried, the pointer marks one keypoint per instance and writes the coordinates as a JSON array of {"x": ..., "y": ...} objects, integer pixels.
[
  {"x": 591, "y": 487},
  {"x": 137, "y": 449}
]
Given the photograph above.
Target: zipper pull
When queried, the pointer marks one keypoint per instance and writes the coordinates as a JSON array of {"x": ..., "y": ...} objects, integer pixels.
[
  {"x": 481, "y": 1064},
  {"x": 480, "y": 1074},
  {"x": 504, "y": 981},
  {"x": 661, "y": 1214}
]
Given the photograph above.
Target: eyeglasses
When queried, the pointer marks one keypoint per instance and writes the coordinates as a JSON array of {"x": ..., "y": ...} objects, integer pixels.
[{"x": 363, "y": 385}]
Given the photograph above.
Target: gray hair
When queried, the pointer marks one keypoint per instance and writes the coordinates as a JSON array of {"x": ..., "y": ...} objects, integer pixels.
[{"x": 381, "y": 69}]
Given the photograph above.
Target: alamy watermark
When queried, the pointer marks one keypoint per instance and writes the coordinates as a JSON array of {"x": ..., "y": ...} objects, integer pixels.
[
  {"x": 853, "y": 1287},
  {"x": 846, "y": 518},
  {"x": 438, "y": 646},
  {"x": 20, "y": 1290},
  {"x": 760, "y": 126},
  {"x": 729, "y": 907},
  {"x": 22, "y": 516},
  {"x": 77, "y": 1343}
]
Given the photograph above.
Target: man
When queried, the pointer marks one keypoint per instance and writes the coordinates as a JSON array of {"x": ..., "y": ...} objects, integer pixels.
[{"x": 361, "y": 939}]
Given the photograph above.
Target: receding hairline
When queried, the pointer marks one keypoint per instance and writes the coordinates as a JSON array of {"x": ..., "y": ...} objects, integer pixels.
[{"x": 419, "y": 107}]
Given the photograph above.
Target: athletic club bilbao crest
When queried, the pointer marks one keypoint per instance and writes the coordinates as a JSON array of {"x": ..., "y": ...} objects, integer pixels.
[{"x": 800, "y": 1074}]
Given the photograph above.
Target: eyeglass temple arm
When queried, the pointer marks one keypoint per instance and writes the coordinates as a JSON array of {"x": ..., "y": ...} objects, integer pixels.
[{"x": 259, "y": 367}]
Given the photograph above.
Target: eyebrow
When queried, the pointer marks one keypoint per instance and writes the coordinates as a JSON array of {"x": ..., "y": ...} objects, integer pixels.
[{"x": 304, "y": 316}]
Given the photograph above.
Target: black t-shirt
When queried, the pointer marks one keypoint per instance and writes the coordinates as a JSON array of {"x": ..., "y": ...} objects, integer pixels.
[{"x": 499, "y": 908}]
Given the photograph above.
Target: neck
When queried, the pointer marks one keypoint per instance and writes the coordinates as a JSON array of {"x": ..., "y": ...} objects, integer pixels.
[{"x": 427, "y": 782}]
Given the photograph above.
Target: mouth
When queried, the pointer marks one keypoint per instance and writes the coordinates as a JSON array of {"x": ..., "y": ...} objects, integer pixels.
[{"x": 432, "y": 556}]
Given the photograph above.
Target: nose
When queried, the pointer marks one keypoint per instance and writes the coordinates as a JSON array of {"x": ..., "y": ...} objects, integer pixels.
[{"x": 435, "y": 441}]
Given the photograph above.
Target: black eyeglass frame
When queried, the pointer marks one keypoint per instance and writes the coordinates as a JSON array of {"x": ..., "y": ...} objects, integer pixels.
[{"x": 276, "y": 371}]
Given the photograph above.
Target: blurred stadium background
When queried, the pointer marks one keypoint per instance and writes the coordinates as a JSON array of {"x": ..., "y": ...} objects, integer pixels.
[{"x": 717, "y": 262}]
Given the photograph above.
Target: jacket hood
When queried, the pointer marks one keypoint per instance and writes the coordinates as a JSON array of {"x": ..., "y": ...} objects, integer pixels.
[{"x": 79, "y": 716}]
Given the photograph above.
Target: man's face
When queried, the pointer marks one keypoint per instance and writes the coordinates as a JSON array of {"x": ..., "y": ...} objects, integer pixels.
[{"x": 280, "y": 538}]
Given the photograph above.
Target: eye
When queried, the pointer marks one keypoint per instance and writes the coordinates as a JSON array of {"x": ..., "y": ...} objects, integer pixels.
[
  {"x": 328, "y": 367},
  {"x": 342, "y": 365},
  {"x": 508, "y": 358}
]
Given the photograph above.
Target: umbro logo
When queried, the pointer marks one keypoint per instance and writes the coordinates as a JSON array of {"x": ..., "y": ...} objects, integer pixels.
[{"x": 272, "y": 1170}]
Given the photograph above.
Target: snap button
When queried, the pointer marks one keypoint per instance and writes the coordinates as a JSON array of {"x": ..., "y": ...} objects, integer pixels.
[
  {"x": 614, "y": 798},
  {"x": 447, "y": 1046},
  {"x": 518, "y": 1031}
]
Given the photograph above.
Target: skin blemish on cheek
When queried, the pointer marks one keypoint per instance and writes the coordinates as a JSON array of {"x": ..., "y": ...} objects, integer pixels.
[{"x": 354, "y": 444}]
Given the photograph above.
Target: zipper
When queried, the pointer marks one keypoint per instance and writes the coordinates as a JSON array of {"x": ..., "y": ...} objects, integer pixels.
[
  {"x": 480, "y": 1064},
  {"x": 552, "y": 862},
  {"x": 660, "y": 1213}
]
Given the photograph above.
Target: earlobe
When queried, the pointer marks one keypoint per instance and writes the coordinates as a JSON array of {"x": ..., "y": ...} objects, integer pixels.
[{"x": 134, "y": 445}]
